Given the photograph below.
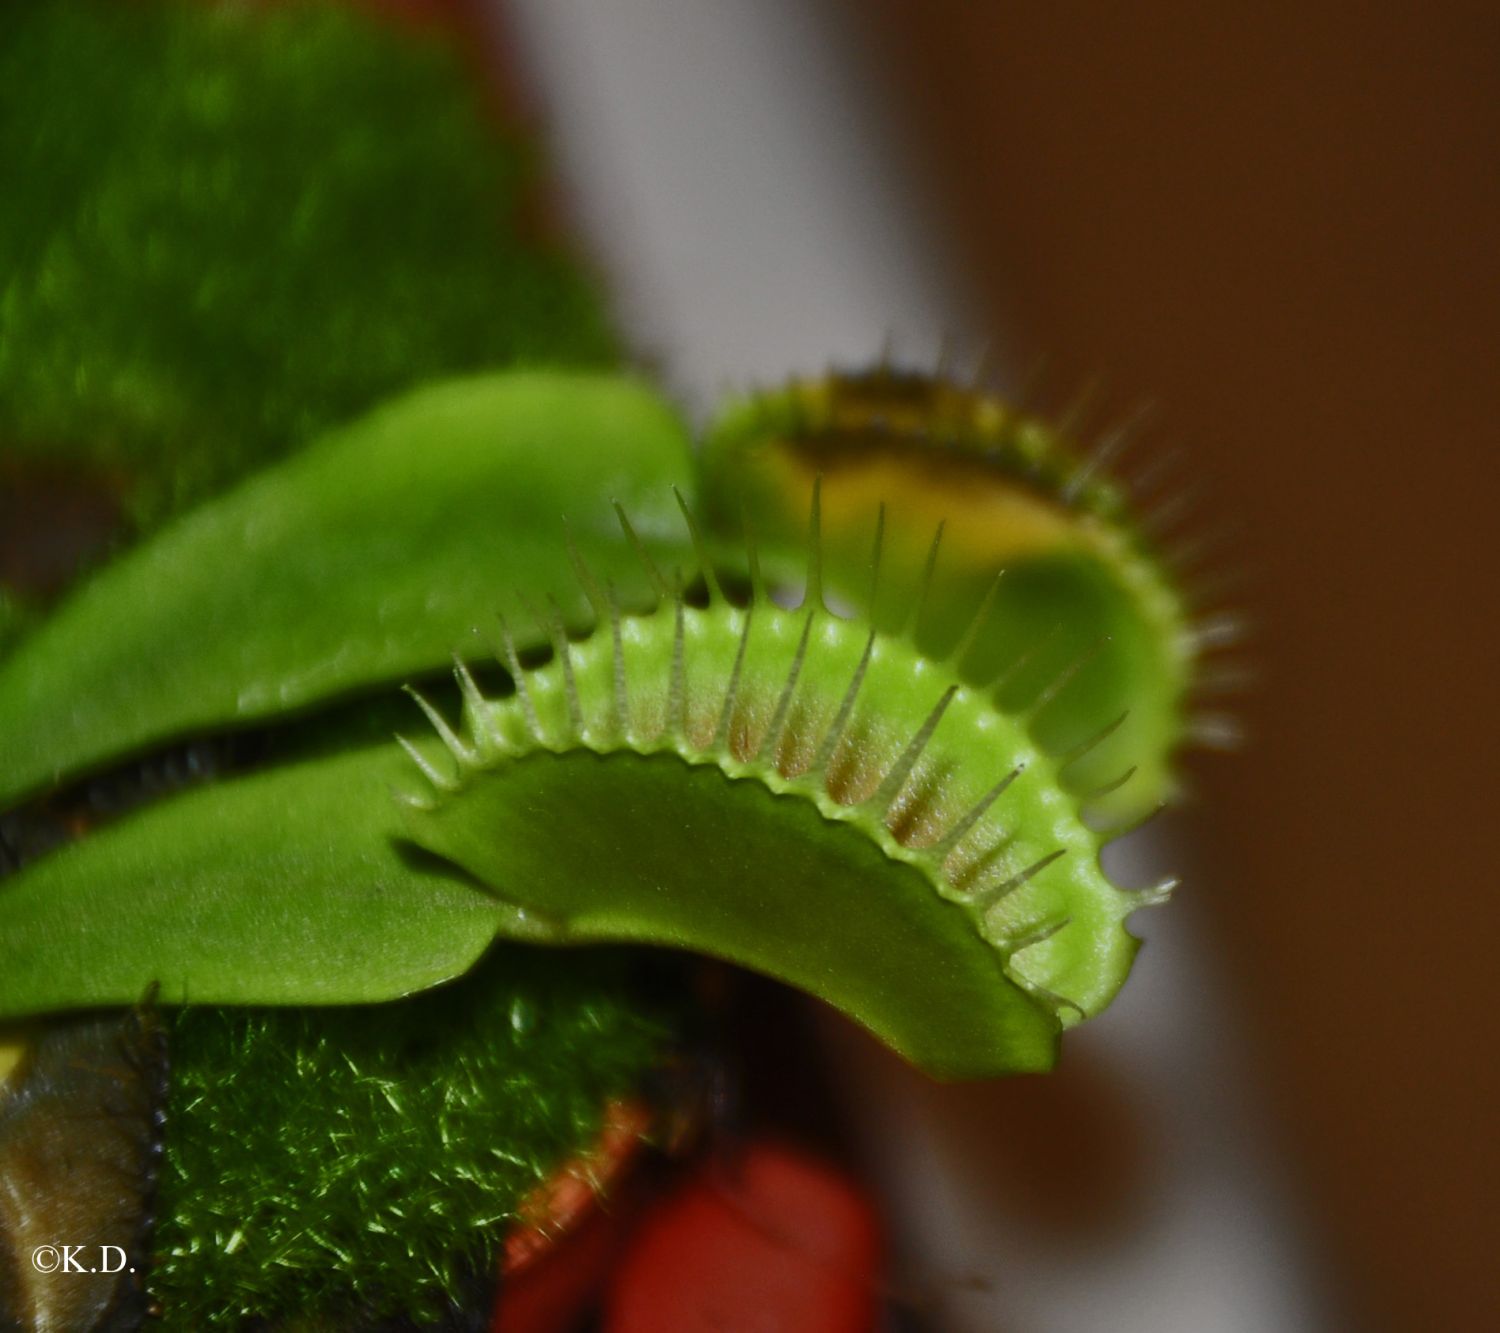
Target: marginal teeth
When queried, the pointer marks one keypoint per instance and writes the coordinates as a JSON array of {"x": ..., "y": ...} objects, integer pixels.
[
  {"x": 443, "y": 782},
  {"x": 652, "y": 572},
  {"x": 564, "y": 650},
  {"x": 965, "y": 644},
  {"x": 1216, "y": 731},
  {"x": 1064, "y": 678},
  {"x": 783, "y": 704},
  {"x": 758, "y": 590},
  {"x": 466, "y": 756},
  {"x": 1057, "y": 1003},
  {"x": 1090, "y": 744},
  {"x": 814, "y": 594},
  {"x": 900, "y": 771},
  {"x": 990, "y": 898},
  {"x": 846, "y": 707},
  {"x": 1156, "y": 895},
  {"x": 829, "y": 716},
  {"x": 700, "y": 549},
  {"x": 924, "y": 588},
  {"x": 975, "y": 813},
  {"x": 586, "y": 578},
  {"x": 1105, "y": 453},
  {"x": 732, "y": 690},
  {"x": 479, "y": 716},
  {"x": 676, "y": 692},
  {"x": 1218, "y": 631},
  {"x": 621, "y": 719},
  {"x": 1019, "y": 943},
  {"x": 512, "y": 662},
  {"x": 1024, "y": 659},
  {"x": 1108, "y": 788}
]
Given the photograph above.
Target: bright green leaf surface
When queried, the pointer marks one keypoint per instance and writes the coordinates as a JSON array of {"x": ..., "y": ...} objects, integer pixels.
[
  {"x": 786, "y": 790},
  {"x": 283, "y": 887},
  {"x": 660, "y": 852},
  {"x": 368, "y": 558},
  {"x": 781, "y": 789}
]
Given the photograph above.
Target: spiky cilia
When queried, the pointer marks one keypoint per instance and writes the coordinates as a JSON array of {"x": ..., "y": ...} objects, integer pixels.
[
  {"x": 1083, "y": 587},
  {"x": 798, "y": 792}
]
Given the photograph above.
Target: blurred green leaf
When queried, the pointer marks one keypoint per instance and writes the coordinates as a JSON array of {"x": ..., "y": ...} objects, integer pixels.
[
  {"x": 369, "y": 558},
  {"x": 282, "y": 887}
]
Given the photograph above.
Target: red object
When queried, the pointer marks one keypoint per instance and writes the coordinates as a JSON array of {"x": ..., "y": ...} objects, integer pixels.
[
  {"x": 571, "y": 1230},
  {"x": 779, "y": 1243},
  {"x": 555, "y": 1294}
]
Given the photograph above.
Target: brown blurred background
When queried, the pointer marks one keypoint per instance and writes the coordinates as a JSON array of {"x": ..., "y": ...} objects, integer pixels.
[{"x": 1280, "y": 223}]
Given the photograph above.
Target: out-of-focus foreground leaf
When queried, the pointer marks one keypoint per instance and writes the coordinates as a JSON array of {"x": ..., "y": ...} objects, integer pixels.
[
  {"x": 284, "y": 886},
  {"x": 370, "y": 557}
]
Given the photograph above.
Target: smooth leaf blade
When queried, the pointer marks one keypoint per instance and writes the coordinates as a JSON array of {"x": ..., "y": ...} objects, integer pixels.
[
  {"x": 366, "y": 559},
  {"x": 652, "y": 850},
  {"x": 287, "y": 886}
]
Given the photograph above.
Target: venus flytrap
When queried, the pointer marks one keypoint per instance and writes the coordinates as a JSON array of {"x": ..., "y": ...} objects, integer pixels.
[
  {"x": 793, "y": 790},
  {"x": 234, "y": 227},
  {"x": 805, "y": 795},
  {"x": 830, "y": 746},
  {"x": 890, "y": 795},
  {"x": 1031, "y": 529},
  {"x": 370, "y": 557}
]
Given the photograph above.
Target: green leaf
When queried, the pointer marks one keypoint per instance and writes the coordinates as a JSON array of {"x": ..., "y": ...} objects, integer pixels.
[
  {"x": 651, "y": 850},
  {"x": 799, "y": 794},
  {"x": 368, "y": 558},
  {"x": 1040, "y": 562},
  {"x": 286, "y": 887},
  {"x": 785, "y": 789}
]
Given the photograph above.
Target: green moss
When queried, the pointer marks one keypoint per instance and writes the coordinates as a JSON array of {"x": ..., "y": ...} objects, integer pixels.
[
  {"x": 228, "y": 227},
  {"x": 320, "y": 1161}
]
